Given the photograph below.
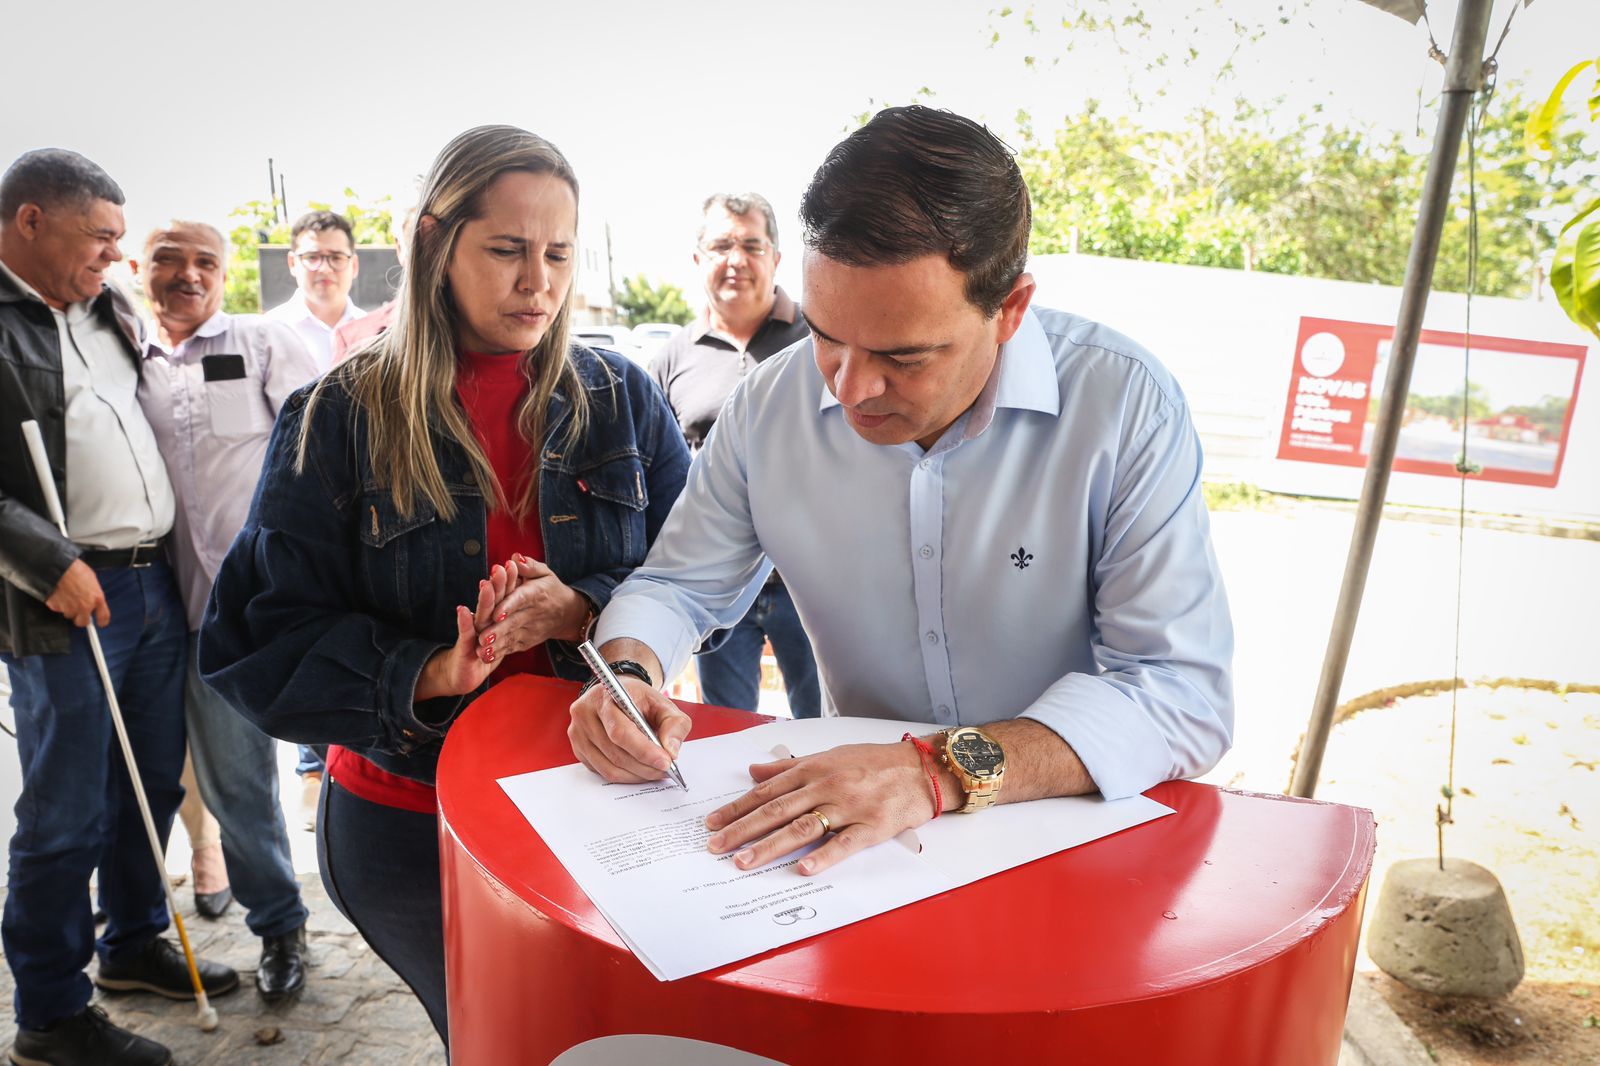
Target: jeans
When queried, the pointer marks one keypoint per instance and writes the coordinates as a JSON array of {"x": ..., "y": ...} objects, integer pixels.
[
  {"x": 731, "y": 675},
  {"x": 311, "y": 760},
  {"x": 77, "y": 809},
  {"x": 380, "y": 866},
  {"x": 236, "y": 767}
]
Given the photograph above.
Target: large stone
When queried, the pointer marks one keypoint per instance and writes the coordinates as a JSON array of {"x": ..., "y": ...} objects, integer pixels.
[{"x": 1445, "y": 931}]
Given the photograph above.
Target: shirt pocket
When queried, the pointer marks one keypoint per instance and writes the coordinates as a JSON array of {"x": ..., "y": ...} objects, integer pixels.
[{"x": 237, "y": 408}]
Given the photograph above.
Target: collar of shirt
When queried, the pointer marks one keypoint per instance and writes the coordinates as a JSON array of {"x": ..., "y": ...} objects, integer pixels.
[
  {"x": 784, "y": 309},
  {"x": 214, "y": 326},
  {"x": 28, "y": 291},
  {"x": 1023, "y": 378},
  {"x": 295, "y": 309}
]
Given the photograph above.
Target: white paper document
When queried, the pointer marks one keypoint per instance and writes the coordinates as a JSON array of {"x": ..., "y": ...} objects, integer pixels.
[{"x": 639, "y": 851}]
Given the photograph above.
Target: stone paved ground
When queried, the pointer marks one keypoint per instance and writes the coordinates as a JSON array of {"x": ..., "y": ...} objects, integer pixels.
[{"x": 354, "y": 1010}]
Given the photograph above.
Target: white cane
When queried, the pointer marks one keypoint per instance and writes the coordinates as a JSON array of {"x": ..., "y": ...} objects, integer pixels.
[{"x": 47, "y": 484}]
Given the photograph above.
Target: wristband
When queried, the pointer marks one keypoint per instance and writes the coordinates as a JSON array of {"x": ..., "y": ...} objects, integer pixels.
[
  {"x": 622, "y": 668},
  {"x": 925, "y": 753}
]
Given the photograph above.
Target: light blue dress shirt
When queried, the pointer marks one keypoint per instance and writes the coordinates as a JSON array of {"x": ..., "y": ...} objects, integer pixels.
[{"x": 1048, "y": 558}]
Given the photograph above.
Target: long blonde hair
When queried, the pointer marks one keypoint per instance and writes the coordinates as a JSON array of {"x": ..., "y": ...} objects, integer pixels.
[{"x": 405, "y": 381}]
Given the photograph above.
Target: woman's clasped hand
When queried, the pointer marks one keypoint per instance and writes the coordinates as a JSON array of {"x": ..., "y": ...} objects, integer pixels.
[{"x": 520, "y": 605}]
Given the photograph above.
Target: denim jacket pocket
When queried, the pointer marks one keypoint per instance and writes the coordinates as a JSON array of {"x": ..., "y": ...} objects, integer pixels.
[
  {"x": 397, "y": 550},
  {"x": 619, "y": 496}
]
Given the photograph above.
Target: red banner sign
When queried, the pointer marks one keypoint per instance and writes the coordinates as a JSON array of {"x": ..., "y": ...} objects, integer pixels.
[{"x": 1507, "y": 403}]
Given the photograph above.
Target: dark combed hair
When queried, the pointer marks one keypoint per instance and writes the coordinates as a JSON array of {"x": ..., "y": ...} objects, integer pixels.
[
  {"x": 918, "y": 181},
  {"x": 322, "y": 222},
  {"x": 50, "y": 177}
]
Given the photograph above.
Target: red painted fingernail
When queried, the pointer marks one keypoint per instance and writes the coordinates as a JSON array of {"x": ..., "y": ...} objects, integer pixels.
[
  {"x": 490, "y": 640},
  {"x": 501, "y": 617},
  {"x": 489, "y": 656}
]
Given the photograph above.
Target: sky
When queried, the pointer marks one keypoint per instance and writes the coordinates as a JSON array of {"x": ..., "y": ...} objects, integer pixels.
[
  {"x": 1508, "y": 379},
  {"x": 655, "y": 104}
]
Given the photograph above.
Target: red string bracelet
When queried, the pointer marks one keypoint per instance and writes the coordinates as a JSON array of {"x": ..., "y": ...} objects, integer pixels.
[{"x": 925, "y": 753}]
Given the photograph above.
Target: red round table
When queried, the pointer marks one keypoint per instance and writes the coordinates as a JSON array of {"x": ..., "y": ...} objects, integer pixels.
[{"x": 1225, "y": 933}]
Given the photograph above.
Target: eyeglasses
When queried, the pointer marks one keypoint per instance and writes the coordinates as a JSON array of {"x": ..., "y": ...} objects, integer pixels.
[
  {"x": 753, "y": 248},
  {"x": 318, "y": 260}
]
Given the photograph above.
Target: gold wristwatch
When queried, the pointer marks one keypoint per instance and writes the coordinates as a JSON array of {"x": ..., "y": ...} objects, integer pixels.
[{"x": 979, "y": 763}]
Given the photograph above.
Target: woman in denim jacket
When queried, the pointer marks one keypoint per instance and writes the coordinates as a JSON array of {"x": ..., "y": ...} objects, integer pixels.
[{"x": 469, "y": 468}]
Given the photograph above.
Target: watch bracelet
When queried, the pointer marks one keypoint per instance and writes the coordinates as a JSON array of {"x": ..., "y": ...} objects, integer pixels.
[
  {"x": 973, "y": 795},
  {"x": 622, "y": 668}
]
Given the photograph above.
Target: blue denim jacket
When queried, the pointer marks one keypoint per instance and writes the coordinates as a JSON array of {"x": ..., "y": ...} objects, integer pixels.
[{"x": 330, "y": 599}]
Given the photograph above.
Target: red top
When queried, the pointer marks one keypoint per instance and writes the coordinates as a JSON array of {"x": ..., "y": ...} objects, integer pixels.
[{"x": 491, "y": 389}]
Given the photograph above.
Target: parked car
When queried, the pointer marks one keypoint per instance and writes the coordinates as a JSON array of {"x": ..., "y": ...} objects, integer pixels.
[
  {"x": 617, "y": 338},
  {"x": 649, "y": 335}
]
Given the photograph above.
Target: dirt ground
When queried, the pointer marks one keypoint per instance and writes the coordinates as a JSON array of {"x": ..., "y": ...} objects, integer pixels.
[{"x": 1527, "y": 807}]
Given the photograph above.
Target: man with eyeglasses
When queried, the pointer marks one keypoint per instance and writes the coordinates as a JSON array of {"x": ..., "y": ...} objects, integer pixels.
[
  {"x": 322, "y": 258},
  {"x": 747, "y": 318}
]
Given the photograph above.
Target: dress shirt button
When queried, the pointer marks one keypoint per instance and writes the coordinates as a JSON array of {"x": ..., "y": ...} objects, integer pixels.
[
  {"x": 926, "y": 551},
  {"x": 472, "y": 547},
  {"x": 933, "y": 638},
  {"x": 944, "y": 710},
  {"x": 926, "y": 464}
]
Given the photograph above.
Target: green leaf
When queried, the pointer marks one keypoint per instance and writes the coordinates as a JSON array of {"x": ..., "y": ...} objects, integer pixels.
[
  {"x": 1594, "y": 97},
  {"x": 1539, "y": 138},
  {"x": 1575, "y": 270}
]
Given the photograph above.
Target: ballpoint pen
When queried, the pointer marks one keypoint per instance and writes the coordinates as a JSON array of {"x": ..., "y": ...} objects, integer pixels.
[{"x": 620, "y": 697}]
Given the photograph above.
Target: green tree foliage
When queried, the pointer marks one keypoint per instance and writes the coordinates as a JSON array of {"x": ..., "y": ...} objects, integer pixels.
[
  {"x": 1239, "y": 191},
  {"x": 1549, "y": 414},
  {"x": 1450, "y": 406},
  {"x": 1240, "y": 184},
  {"x": 1575, "y": 267},
  {"x": 643, "y": 301},
  {"x": 253, "y": 226}
]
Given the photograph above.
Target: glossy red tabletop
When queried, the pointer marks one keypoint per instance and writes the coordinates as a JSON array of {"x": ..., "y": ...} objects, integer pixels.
[{"x": 1227, "y": 884}]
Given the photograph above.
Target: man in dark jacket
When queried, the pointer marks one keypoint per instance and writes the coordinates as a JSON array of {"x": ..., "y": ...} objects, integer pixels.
[{"x": 69, "y": 359}]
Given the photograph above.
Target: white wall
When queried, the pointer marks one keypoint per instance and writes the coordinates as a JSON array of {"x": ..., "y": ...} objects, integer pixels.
[{"x": 1230, "y": 337}]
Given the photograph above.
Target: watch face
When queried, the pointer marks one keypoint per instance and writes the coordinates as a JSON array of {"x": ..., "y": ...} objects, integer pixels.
[{"x": 976, "y": 753}]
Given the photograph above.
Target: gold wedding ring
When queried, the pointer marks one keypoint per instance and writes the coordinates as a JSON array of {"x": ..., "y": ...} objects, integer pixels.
[{"x": 827, "y": 826}]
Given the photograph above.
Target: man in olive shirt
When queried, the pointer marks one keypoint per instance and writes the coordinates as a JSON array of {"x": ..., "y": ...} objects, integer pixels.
[{"x": 747, "y": 318}]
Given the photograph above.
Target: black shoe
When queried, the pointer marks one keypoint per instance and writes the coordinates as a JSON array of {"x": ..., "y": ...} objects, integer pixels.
[
  {"x": 282, "y": 972},
  {"x": 213, "y": 905},
  {"x": 87, "y": 1038},
  {"x": 160, "y": 968}
]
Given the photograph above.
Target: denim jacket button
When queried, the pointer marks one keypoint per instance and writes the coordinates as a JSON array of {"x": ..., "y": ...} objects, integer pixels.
[{"x": 472, "y": 547}]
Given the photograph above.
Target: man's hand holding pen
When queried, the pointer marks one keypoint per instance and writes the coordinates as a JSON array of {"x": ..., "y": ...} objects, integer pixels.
[{"x": 606, "y": 741}]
